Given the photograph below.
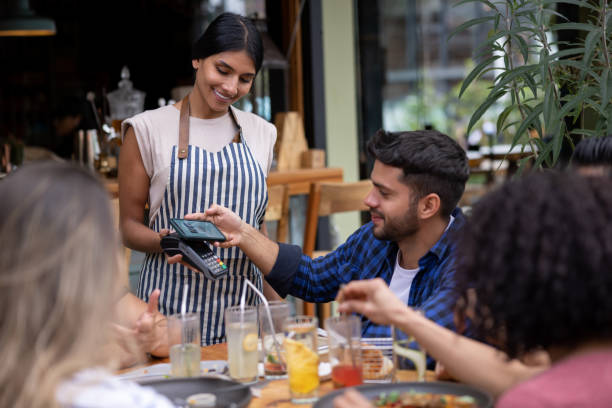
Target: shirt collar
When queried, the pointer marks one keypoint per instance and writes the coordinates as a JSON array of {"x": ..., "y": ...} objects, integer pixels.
[{"x": 446, "y": 240}]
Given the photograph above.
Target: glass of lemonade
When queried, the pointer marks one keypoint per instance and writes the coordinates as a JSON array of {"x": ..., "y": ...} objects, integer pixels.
[
  {"x": 300, "y": 346},
  {"x": 241, "y": 335},
  {"x": 184, "y": 341},
  {"x": 274, "y": 363},
  {"x": 407, "y": 354}
]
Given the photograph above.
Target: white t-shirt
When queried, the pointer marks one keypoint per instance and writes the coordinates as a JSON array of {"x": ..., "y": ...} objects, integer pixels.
[
  {"x": 97, "y": 388},
  {"x": 157, "y": 131},
  {"x": 401, "y": 280}
]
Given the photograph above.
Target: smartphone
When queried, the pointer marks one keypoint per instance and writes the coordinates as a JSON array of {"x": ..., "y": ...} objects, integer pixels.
[{"x": 196, "y": 230}]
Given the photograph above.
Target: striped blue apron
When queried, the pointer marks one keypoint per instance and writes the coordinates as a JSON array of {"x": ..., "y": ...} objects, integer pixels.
[{"x": 232, "y": 178}]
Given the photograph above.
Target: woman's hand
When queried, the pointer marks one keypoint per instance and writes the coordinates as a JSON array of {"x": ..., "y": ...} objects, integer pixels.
[
  {"x": 230, "y": 224},
  {"x": 352, "y": 399},
  {"x": 371, "y": 298},
  {"x": 150, "y": 329}
]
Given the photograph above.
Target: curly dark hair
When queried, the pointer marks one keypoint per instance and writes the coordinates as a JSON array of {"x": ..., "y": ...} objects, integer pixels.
[
  {"x": 537, "y": 252},
  {"x": 431, "y": 162},
  {"x": 593, "y": 151}
]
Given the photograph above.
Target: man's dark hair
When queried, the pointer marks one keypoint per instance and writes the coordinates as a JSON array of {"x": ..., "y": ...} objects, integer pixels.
[
  {"x": 431, "y": 161},
  {"x": 537, "y": 252},
  {"x": 230, "y": 32},
  {"x": 593, "y": 151}
]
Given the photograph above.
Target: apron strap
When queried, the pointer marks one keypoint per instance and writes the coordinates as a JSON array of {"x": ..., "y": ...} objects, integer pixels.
[{"x": 184, "y": 128}]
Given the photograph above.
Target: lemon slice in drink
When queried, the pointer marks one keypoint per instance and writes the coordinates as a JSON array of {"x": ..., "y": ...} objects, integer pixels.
[
  {"x": 249, "y": 343},
  {"x": 303, "y": 366}
]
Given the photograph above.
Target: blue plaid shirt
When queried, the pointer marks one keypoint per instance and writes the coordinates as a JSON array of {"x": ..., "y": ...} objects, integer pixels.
[{"x": 363, "y": 256}]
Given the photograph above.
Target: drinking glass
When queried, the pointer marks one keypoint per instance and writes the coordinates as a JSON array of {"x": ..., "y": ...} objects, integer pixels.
[
  {"x": 184, "y": 342},
  {"x": 272, "y": 339},
  {"x": 344, "y": 337},
  {"x": 302, "y": 358},
  {"x": 241, "y": 335},
  {"x": 407, "y": 354}
]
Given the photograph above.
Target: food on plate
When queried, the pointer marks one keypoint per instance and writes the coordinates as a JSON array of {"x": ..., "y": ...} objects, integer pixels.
[
  {"x": 413, "y": 399},
  {"x": 272, "y": 364},
  {"x": 203, "y": 400},
  {"x": 376, "y": 366}
]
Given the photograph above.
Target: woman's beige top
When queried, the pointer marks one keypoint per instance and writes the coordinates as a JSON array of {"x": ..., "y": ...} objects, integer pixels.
[{"x": 157, "y": 132}]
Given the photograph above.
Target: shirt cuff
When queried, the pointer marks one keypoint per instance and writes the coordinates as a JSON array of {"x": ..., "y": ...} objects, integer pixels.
[{"x": 285, "y": 268}]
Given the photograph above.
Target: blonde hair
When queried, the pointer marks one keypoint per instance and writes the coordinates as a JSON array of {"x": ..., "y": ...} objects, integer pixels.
[{"x": 58, "y": 267}]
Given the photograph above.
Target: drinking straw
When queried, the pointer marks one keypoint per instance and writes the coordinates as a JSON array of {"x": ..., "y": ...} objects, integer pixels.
[
  {"x": 183, "y": 312},
  {"x": 347, "y": 330},
  {"x": 349, "y": 337},
  {"x": 242, "y": 300},
  {"x": 184, "y": 302},
  {"x": 270, "y": 321}
]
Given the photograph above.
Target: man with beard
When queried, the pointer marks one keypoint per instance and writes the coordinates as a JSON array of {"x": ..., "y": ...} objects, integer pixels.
[{"x": 418, "y": 179}]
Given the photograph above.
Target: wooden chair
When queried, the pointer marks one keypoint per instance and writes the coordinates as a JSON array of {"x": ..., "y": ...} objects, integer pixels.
[
  {"x": 326, "y": 199},
  {"x": 278, "y": 210}
]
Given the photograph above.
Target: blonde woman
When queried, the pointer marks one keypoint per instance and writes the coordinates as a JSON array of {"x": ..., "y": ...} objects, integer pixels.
[{"x": 59, "y": 265}]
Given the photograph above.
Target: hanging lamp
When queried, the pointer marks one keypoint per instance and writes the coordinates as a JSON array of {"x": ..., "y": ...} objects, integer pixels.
[{"x": 21, "y": 21}]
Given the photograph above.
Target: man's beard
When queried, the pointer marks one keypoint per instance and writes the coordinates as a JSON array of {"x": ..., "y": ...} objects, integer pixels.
[{"x": 398, "y": 228}]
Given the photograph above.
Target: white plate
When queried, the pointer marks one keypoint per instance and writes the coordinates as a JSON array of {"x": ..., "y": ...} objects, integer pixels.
[
  {"x": 163, "y": 370},
  {"x": 324, "y": 370}
]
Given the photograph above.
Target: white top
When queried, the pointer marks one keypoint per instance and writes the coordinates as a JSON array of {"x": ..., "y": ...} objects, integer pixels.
[
  {"x": 157, "y": 132},
  {"x": 401, "y": 280},
  {"x": 97, "y": 388}
]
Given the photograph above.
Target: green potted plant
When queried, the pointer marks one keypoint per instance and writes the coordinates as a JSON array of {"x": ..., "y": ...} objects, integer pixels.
[{"x": 562, "y": 90}]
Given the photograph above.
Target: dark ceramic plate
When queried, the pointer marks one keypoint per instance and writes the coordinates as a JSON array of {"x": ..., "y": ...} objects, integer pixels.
[
  {"x": 228, "y": 393},
  {"x": 371, "y": 391}
]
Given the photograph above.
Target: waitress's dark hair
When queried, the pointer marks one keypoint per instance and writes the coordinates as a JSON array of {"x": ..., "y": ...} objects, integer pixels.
[{"x": 230, "y": 32}]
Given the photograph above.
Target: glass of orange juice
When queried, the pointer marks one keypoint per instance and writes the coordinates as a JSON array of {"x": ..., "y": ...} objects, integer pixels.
[{"x": 302, "y": 359}]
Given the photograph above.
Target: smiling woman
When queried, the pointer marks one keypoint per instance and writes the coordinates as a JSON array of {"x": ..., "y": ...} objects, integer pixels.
[{"x": 184, "y": 158}]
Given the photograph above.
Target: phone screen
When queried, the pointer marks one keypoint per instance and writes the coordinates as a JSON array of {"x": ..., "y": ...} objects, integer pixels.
[{"x": 190, "y": 229}]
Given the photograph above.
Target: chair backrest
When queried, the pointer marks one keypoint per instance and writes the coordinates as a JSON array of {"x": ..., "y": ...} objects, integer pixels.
[
  {"x": 278, "y": 210},
  {"x": 330, "y": 198}
]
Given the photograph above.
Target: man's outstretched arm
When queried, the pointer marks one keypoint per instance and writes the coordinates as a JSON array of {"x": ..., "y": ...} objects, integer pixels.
[{"x": 261, "y": 250}]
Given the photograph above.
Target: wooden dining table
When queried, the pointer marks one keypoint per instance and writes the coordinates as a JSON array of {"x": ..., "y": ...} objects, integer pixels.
[{"x": 275, "y": 393}]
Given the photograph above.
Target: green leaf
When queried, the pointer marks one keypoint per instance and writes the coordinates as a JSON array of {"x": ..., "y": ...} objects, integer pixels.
[
  {"x": 543, "y": 153},
  {"x": 573, "y": 26},
  {"x": 522, "y": 163},
  {"x": 557, "y": 139},
  {"x": 469, "y": 24},
  {"x": 575, "y": 2},
  {"x": 528, "y": 122},
  {"x": 476, "y": 72},
  {"x": 491, "y": 99},
  {"x": 564, "y": 53},
  {"x": 591, "y": 41},
  {"x": 603, "y": 85},
  {"x": 488, "y": 3},
  {"x": 574, "y": 101},
  {"x": 503, "y": 116},
  {"x": 523, "y": 47}
]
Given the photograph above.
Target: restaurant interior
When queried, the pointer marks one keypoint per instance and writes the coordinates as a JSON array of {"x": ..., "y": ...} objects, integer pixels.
[{"x": 518, "y": 90}]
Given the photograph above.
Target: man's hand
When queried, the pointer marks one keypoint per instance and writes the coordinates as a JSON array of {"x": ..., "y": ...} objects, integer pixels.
[
  {"x": 352, "y": 399},
  {"x": 230, "y": 224},
  {"x": 371, "y": 298}
]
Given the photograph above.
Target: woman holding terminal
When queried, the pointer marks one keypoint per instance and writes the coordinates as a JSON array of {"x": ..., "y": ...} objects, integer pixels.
[{"x": 220, "y": 155}]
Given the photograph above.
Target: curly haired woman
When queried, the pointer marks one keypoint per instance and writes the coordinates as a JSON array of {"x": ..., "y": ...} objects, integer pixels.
[{"x": 537, "y": 254}]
